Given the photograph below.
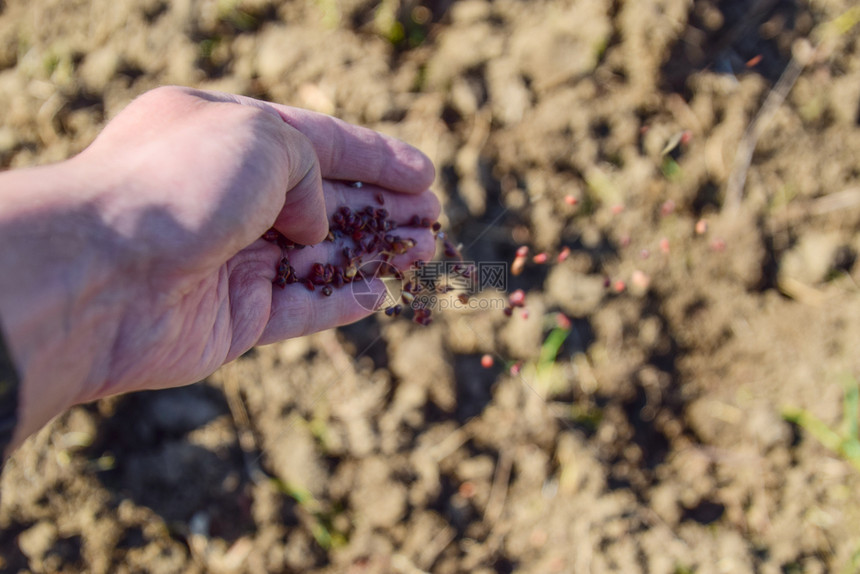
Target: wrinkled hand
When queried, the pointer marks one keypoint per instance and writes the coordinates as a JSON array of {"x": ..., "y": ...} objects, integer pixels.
[{"x": 180, "y": 187}]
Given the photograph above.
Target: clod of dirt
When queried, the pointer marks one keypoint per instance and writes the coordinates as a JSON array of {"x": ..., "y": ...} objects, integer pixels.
[{"x": 811, "y": 259}]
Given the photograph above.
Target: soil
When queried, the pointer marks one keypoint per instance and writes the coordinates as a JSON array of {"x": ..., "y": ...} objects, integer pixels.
[{"x": 654, "y": 441}]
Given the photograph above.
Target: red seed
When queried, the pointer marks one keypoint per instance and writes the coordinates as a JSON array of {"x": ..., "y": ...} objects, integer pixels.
[
  {"x": 562, "y": 321},
  {"x": 667, "y": 208},
  {"x": 515, "y": 369},
  {"x": 522, "y": 251},
  {"x": 540, "y": 258},
  {"x": 487, "y": 361},
  {"x": 570, "y": 200},
  {"x": 619, "y": 286},
  {"x": 752, "y": 62},
  {"x": 664, "y": 245},
  {"x": 565, "y": 253},
  {"x": 701, "y": 226},
  {"x": 380, "y": 199},
  {"x": 517, "y": 298}
]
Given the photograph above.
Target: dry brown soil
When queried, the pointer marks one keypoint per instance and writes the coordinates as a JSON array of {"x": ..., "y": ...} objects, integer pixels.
[{"x": 655, "y": 442}]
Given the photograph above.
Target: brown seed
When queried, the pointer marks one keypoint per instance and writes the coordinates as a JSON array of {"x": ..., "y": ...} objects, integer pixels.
[{"x": 327, "y": 291}]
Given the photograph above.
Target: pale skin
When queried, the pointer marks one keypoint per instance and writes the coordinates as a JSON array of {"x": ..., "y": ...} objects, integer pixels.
[{"x": 138, "y": 264}]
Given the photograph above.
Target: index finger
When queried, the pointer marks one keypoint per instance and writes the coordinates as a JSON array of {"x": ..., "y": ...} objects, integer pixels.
[{"x": 353, "y": 153}]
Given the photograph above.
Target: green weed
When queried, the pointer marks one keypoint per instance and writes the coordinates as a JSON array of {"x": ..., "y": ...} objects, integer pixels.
[{"x": 844, "y": 441}]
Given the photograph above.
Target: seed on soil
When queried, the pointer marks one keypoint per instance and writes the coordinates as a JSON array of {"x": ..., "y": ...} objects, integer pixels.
[
  {"x": 562, "y": 321},
  {"x": 517, "y": 298},
  {"x": 668, "y": 208}
]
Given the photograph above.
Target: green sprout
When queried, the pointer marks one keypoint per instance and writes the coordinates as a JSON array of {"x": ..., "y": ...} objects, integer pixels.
[
  {"x": 321, "y": 520},
  {"x": 845, "y": 440}
]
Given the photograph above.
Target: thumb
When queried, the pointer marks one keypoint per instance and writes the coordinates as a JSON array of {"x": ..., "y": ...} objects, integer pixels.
[{"x": 303, "y": 216}]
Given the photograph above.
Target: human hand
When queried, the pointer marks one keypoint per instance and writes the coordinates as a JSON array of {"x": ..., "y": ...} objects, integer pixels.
[{"x": 165, "y": 210}]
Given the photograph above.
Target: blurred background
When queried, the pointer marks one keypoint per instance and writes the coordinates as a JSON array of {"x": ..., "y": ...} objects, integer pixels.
[{"x": 678, "y": 395}]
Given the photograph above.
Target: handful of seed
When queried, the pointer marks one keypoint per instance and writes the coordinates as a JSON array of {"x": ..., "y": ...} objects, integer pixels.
[{"x": 369, "y": 238}]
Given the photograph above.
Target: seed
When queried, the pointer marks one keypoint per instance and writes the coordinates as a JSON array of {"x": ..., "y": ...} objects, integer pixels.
[
  {"x": 664, "y": 245},
  {"x": 619, "y": 286},
  {"x": 508, "y": 311},
  {"x": 436, "y": 226},
  {"x": 380, "y": 199},
  {"x": 667, "y": 208},
  {"x": 640, "y": 280},
  {"x": 540, "y": 258},
  {"x": 515, "y": 369},
  {"x": 487, "y": 361},
  {"x": 309, "y": 285},
  {"x": 357, "y": 184},
  {"x": 518, "y": 265},
  {"x": 280, "y": 281},
  {"x": 326, "y": 291},
  {"x": 565, "y": 253},
  {"x": 617, "y": 209},
  {"x": 522, "y": 251},
  {"x": 271, "y": 235},
  {"x": 414, "y": 221},
  {"x": 425, "y": 222},
  {"x": 562, "y": 321},
  {"x": 702, "y": 226},
  {"x": 517, "y": 298},
  {"x": 570, "y": 200}
]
